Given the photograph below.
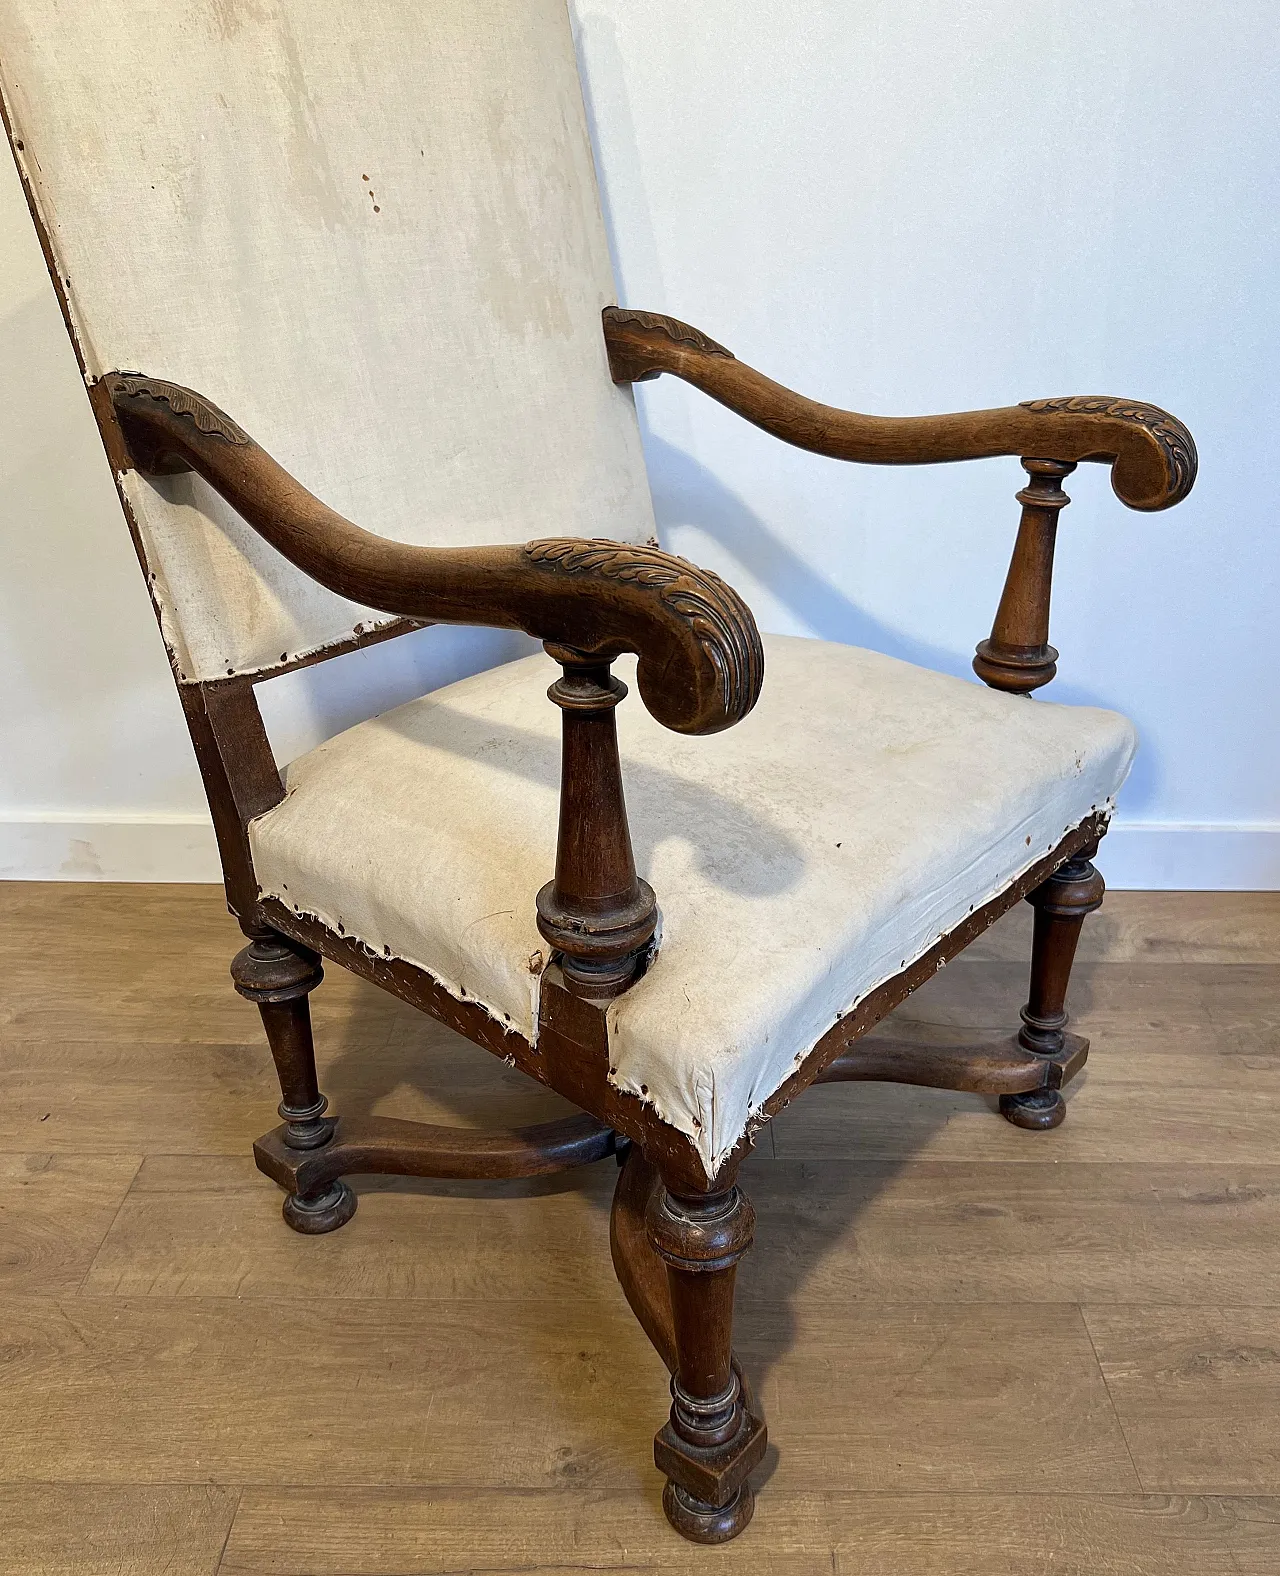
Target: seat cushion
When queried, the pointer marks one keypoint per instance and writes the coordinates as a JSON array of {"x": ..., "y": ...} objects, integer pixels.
[{"x": 799, "y": 859}]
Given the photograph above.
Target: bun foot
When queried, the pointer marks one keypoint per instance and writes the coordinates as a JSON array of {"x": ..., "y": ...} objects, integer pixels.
[
  {"x": 325, "y": 1212},
  {"x": 1037, "y": 1110},
  {"x": 705, "y": 1523}
]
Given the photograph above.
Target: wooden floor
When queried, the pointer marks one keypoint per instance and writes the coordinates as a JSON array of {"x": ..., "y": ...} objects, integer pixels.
[{"x": 981, "y": 1351}]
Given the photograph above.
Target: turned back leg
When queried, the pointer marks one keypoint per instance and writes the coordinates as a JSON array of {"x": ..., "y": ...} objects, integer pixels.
[
  {"x": 278, "y": 975},
  {"x": 710, "y": 1441},
  {"x": 1061, "y": 904}
]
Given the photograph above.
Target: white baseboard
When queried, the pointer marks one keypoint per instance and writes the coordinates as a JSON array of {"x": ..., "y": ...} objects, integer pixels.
[
  {"x": 1141, "y": 856},
  {"x": 50, "y": 846},
  {"x": 1179, "y": 856}
]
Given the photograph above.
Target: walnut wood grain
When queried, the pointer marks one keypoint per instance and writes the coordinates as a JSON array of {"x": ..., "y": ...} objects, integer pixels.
[
  {"x": 279, "y": 975},
  {"x": 994, "y": 1067},
  {"x": 597, "y": 912},
  {"x": 711, "y": 1441},
  {"x": 390, "y": 1146},
  {"x": 701, "y": 661},
  {"x": 240, "y": 780},
  {"x": 1018, "y": 658},
  {"x": 1061, "y": 903},
  {"x": 641, "y": 1273},
  {"x": 1151, "y": 454}
]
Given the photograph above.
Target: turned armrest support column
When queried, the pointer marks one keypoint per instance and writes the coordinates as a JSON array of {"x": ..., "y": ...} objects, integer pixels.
[
  {"x": 1018, "y": 657},
  {"x": 597, "y": 912}
]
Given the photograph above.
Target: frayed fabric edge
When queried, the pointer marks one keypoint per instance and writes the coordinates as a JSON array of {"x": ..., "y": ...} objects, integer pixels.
[
  {"x": 701, "y": 1131},
  {"x": 384, "y": 954}
]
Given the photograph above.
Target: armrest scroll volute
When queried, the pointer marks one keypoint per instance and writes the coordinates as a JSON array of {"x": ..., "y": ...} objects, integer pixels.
[
  {"x": 701, "y": 662},
  {"x": 713, "y": 639}
]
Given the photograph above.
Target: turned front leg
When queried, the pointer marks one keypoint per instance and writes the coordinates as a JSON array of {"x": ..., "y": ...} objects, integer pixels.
[
  {"x": 1061, "y": 904},
  {"x": 278, "y": 975},
  {"x": 710, "y": 1442}
]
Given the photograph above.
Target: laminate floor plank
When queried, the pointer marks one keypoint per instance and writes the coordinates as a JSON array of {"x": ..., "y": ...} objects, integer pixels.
[
  {"x": 201, "y": 1227},
  {"x": 828, "y": 1232},
  {"x": 526, "y": 1394},
  {"x": 200, "y": 1098},
  {"x": 1107, "y": 998},
  {"x": 90, "y": 1529},
  {"x": 963, "y": 1398},
  {"x": 146, "y": 964},
  {"x": 390, "y": 1532},
  {"x": 981, "y": 1352},
  {"x": 1198, "y": 1390},
  {"x": 1153, "y": 927},
  {"x": 928, "y": 1231},
  {"x": 159, "y": 1390},
  {"x": 1204, "y": 1097},
  {"x": 55, "y": 1211}
]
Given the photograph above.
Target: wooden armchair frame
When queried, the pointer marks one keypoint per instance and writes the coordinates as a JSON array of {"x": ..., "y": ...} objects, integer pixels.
[{"x": 677, "y": 1234}]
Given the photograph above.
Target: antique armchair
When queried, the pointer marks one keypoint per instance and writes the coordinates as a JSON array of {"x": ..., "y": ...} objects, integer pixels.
[{"x": 369, "y": 236}]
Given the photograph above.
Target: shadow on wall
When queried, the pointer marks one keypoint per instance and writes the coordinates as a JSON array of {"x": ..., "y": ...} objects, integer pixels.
[
  {"x": 687, "y": 494},
  {"x": 303, "y": 708}
]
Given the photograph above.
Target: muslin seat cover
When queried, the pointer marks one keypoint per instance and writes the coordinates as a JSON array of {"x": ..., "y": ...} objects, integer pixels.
[
  {"x": 368, "y": 231},
  {"x": 861, "y": 811}
]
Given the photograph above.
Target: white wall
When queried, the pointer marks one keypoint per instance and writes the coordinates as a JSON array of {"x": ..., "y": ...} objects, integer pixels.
[{"x": 897, "y": 208}]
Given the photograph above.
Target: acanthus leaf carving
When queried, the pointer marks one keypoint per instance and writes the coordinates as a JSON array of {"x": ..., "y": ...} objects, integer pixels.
[
  {"x": 718, "y": 618},
  {"x": 204, "y": 415},
  {"x": 1175, "y": 442},
  {"x": 671, "y": 327}
]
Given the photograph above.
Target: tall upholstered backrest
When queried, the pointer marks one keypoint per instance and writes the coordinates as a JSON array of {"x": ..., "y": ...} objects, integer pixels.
[{"x": 370, "y": 233}]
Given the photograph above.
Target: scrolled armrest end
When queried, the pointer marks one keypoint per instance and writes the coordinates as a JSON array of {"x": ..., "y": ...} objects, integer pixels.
[
  {"x": 702, "y": 663},
  {"x": 1153, "y": 455}
]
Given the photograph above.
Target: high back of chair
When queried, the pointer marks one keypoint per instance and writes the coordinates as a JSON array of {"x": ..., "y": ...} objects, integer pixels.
[{"x": 371, "y": 234}]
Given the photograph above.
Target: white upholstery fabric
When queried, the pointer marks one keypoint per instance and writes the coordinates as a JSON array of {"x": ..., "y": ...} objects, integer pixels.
[
  {"x": 799, "y": 859},
  {"x": 370, "y": 232}
]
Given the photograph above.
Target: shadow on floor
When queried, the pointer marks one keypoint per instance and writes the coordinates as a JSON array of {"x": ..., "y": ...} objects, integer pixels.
[{"x": 413, "y": 1060}]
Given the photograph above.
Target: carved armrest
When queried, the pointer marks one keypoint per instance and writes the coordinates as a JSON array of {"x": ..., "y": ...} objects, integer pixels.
[
  {"x": 701, "y": 660},
  {"x": 1151, "y": 455}
]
